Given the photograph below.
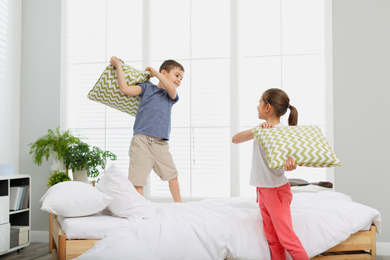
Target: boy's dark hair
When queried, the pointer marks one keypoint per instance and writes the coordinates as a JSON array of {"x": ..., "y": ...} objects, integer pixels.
[
  {"x": 168, "y": 65},
  {"x": 281, "y": 103}
]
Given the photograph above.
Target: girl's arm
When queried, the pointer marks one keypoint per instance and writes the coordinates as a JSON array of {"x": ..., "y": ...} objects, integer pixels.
[
  {"x": 247, "y": 134},
  {"x": 133, "y": 90},
  {"x": 242, "y": 136}
]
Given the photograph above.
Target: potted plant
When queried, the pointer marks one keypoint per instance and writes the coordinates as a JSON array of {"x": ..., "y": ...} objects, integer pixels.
[
  {"x": 57, "y": 177},
  {"x": 54, "y": 143},
  {"x": 82, "y": 157}
]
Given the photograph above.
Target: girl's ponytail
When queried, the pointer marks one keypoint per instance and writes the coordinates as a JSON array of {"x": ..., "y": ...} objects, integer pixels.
[
  {"x": 293, "y": 117},
  {"x": 281, "y": 103}
]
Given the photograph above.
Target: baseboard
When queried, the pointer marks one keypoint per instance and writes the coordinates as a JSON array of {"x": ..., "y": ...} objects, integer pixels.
[
  {"x": 40, "y": 236},
  {"x": 383, "y": 248},
  {"x": 43, "y": 237}
]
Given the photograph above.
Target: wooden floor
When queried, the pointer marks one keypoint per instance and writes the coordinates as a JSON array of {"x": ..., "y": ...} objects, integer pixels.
[
  {"x": 40, "y": 251},
  {"x": 33, "y": 251}
]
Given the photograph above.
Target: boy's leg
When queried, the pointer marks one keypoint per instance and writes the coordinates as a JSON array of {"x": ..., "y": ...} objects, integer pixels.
[
  {"x": 141, "y": 162},
  {"x": 140, "y": 189},
  {"x": 175, "y": 189},
  {"x": 166, "y": 168}
]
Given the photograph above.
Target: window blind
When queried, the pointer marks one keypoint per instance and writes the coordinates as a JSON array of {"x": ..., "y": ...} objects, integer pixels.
[{"x": 280, "y": 45}]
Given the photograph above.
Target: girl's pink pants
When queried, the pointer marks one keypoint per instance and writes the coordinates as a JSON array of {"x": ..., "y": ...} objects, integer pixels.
[{"x": 274, "y": 206}]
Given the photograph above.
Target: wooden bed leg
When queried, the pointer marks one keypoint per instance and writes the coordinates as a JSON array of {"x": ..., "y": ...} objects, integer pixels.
[
  {"x": 373, "y": 242},
  {"x": 61, "y": 247},
  {"x": 50, "y": 232}
]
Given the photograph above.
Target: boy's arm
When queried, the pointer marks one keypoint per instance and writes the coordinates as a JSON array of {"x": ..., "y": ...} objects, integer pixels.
[
  {"x": 167, "y": 84},
  {"x": 133, "y": 90}
]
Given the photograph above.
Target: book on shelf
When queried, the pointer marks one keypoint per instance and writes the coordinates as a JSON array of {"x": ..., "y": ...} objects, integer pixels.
[
  {"x": 13, "y": 198},
  {"x": 19, "y": 197},
  {"x": 25, "y": 198}
]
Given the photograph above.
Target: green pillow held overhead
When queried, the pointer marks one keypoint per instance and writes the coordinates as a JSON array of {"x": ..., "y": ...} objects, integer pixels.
[
  {"x": 306, "y": 145},
  {"x": 107, "y": 92}
]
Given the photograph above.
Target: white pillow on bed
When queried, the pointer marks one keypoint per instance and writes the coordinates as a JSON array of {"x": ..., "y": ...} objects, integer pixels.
[
  {"x": 74, "y": 199},
  {"x": 127, "y": 201}
]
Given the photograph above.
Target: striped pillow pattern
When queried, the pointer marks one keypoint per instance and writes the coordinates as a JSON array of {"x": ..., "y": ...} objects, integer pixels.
[
  {"x": 107, "y": 92},
  {"x": 306, "y": 145}
]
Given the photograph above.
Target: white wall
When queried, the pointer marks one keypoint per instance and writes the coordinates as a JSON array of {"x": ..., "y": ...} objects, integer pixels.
[
  {"x": 10, "y": 60},
  {"x": 361, "y": 82},
  {"x": 40, "y": 91}
]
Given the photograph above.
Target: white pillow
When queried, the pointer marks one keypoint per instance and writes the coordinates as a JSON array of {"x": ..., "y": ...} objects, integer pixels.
[
  {"x": 74, "y": 199},
  {"x": 127, "y": 201}
]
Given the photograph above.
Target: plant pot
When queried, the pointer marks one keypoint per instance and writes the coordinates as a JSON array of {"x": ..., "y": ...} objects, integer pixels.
[
  {"x": 80, "y": 176},
  {"x": 57, "y": 164}
]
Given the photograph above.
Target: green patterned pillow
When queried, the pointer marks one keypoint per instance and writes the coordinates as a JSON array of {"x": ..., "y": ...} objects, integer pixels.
[
  {"x": 305, "y": 144},
  {"x": 106, "y": 89}
]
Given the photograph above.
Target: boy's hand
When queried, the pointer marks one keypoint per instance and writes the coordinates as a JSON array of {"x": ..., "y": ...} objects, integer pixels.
[
  {"x": 290, "y": 165},
  {"x": 153, "y": 72},
  {"x": 267, "y": 125},
  {"x": 114, "y": 61}
]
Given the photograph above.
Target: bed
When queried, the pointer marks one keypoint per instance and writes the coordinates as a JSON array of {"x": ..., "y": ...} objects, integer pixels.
[
  {"x": 115, "y": 235},
  {"x": 361, "y": 245},
  {"x": 329, "y": 224}
]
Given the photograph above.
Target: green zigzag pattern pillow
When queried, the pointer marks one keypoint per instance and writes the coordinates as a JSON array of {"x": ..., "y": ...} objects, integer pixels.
[
  {"x": 305, "y": 144},
  {"x": 107, "y": 92}
]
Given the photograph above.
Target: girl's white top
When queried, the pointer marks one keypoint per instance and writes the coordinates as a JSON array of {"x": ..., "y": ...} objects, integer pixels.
[{"x": 261, "y": 175}]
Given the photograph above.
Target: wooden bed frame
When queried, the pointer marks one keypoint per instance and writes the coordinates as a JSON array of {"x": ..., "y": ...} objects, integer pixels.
[
  {"x": 361, "y": 245},
  {"x": 62, "y": 248}
]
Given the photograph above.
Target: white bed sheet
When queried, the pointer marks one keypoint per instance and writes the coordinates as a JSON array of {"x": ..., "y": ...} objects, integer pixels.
[{"x": 232, "y": 229}]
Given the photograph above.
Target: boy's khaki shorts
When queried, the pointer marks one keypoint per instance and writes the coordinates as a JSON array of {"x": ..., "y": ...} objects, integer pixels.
[{"x": 147, "y": 153}]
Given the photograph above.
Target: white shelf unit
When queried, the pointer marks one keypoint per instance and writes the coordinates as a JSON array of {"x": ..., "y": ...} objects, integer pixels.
[{"x": 11, "y": 219}]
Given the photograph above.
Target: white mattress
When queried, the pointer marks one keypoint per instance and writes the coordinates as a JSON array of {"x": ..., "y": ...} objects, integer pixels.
[{"x": 96, "y": 226}]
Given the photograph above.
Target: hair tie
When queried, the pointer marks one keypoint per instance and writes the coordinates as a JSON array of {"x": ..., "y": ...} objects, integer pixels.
[{"x": 289, "y": 106}]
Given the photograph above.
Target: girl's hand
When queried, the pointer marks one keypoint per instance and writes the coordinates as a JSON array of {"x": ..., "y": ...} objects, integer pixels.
[
  {"x": 267, "y": 125},
  {"x": 290, "y": 165},
  {"x": 114, "y": 61},
  {"x": 153, "y": 72}
]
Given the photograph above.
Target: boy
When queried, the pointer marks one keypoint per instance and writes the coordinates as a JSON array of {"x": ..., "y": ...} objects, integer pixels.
[{"x": 149, "y": 147}]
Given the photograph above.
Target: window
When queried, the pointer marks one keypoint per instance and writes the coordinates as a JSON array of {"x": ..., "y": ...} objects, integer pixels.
[
  {"x": 232, "y": 51},
  {"x": 288, "y": 52}
]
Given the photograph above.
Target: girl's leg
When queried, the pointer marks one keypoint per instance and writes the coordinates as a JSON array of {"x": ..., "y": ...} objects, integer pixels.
[
  {"x": 276, "y": 249},
  {"x": 277, "y": 202}
]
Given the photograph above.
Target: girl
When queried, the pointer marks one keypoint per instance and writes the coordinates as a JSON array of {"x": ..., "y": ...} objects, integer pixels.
[{"x": 273, "y": 189}]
